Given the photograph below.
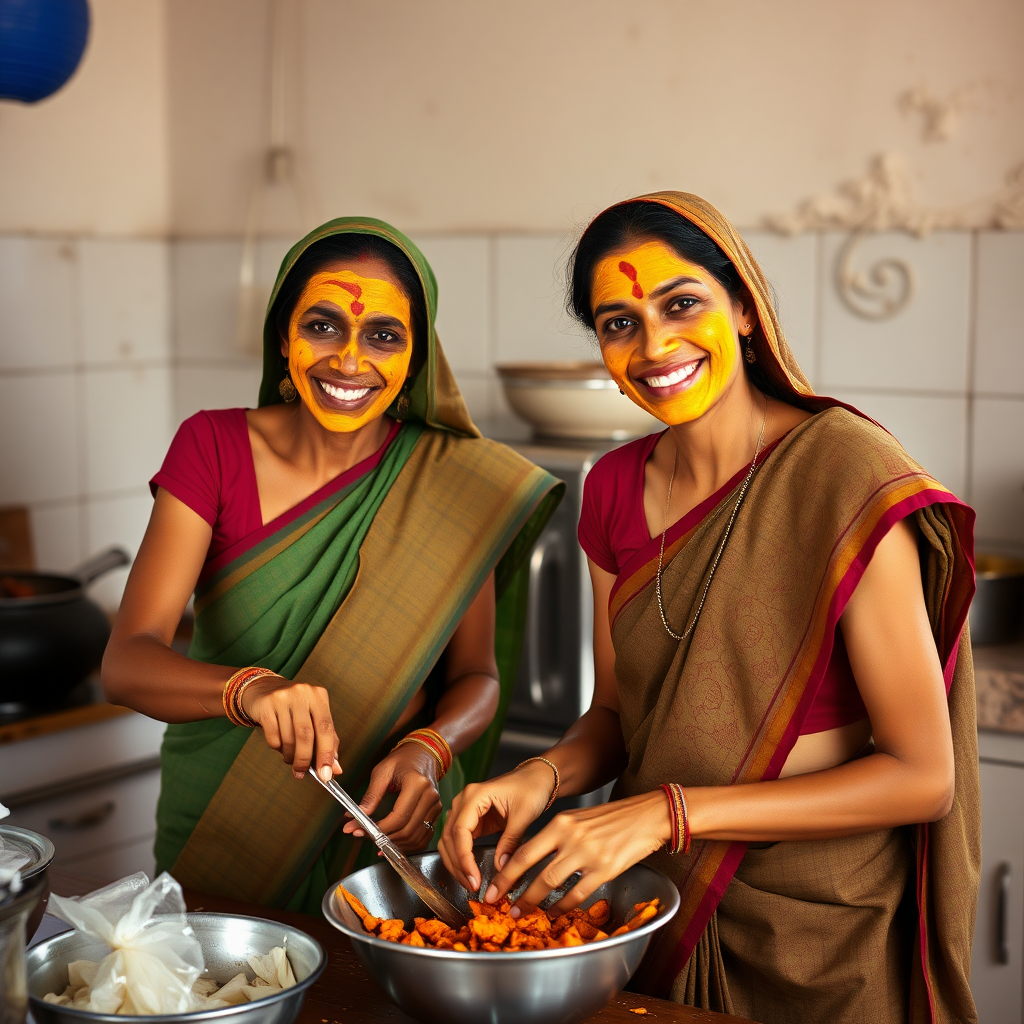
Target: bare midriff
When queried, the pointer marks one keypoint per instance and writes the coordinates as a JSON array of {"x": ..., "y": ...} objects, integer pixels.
[{"x": 816, "y": 751}]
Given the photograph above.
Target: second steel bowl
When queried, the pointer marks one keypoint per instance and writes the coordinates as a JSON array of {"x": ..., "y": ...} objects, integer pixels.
[
  {"x": 554, "y": 986},
  {"x": 228, "y": 940}
]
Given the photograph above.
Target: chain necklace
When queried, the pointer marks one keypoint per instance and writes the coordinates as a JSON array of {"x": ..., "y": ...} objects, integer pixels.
[{"x": 721, "y": 546}]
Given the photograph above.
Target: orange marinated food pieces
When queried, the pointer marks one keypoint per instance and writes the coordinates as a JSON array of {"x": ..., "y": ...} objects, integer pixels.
[{"x": 493, "y": 929}]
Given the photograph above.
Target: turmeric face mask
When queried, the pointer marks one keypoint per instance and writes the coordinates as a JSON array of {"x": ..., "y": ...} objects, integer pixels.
[
  {"x": 349, "y": 347},
  {"x": 666, "y": 331}
]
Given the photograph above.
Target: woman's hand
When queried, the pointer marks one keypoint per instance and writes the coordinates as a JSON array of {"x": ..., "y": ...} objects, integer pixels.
[
  {"x": 296, "y": 720},
  {"x": 599, "y": 842},
  {"x": 411, "y": 772},
  {"x": 509, "y": 804}
]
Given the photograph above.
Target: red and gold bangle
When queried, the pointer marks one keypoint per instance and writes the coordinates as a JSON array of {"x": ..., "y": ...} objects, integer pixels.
[
  {"x": 231, "y": 697},
  {"x": 435, "y": 743},
  {"x": 680, "y": 842},
  {"x": 554, "y": 768}
]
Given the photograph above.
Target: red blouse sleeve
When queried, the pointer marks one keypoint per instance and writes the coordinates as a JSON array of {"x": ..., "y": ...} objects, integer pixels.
[
  {"x": 191, "y": 468},
  {"x": 596, "y": 515}
]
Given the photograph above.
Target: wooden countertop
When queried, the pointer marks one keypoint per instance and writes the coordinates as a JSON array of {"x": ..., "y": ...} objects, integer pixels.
[
  {"x": 57, "y": 721},
  {"x": 344, "y": 994}
]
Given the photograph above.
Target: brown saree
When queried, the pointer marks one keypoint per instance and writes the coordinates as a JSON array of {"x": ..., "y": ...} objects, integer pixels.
[{"x": 875, "y": 927}]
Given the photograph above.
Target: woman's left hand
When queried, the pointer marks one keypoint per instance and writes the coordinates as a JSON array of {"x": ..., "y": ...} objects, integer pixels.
[
  {"x": 411, "y": 772},
  {"x": 599, "y": 842}
]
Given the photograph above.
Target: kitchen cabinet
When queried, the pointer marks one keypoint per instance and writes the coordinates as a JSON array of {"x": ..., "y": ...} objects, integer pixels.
[
  {"x": 103, "y": 828},
  {"x": 997, "y": 967},
  {"x": 91, "y": 790}
]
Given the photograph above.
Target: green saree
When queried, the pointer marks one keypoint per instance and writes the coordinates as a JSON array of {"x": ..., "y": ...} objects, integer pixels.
[{"x": 358, "y": 591}]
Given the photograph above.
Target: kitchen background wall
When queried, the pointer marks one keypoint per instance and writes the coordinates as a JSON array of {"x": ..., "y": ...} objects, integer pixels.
[{"x": 491, "y": 133}]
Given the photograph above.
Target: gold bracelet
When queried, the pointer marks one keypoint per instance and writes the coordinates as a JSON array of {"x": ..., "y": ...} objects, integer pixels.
[
  {"x": 553, "y": 767},
  {"x": 426, "y": 746}
]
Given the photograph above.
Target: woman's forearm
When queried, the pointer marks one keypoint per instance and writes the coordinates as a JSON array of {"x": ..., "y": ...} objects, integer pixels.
[
  {"x": 590, "y": 754},
  {"x": 466, "y": 708},
  {"x": 874, "y": 792},
  {"x": 144, "y": 674}
]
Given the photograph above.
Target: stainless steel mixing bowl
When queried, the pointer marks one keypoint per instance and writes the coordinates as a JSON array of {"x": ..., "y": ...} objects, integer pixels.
[
  {"x": 39, "y": 851},
  {"x": 556, "y": 986},
  {"x": 228, "y": 940}
]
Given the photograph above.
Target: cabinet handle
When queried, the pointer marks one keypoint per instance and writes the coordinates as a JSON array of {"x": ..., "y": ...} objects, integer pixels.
[
  {"x": 1003, "y": 873},
  {"x": 88, "y": 819}
]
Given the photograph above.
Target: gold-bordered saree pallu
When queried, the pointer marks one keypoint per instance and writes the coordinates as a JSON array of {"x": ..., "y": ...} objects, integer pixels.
[
  {"x": 359, "y": 595},
  {"x": 870, "y": 928}
]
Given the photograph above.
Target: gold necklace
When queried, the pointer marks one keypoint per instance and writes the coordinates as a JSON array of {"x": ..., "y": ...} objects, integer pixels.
[{"x": 721, "y": 546}]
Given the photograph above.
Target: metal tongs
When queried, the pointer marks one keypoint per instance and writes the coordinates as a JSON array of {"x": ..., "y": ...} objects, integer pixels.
[{"x": 411, "y": 875}]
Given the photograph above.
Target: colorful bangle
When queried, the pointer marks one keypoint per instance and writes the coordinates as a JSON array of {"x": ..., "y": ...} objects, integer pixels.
[
  {"x": 231, "y": 697},
  {"x": 435, "y": 743},
  {"x": 554, "y": 768},
  {"x": 680, "y": 841}
]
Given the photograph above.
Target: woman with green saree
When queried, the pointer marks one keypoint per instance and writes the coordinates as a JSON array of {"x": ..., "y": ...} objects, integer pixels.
[
  {"x": 358, "y": 557},
  {"x": 784, "y": 687}
]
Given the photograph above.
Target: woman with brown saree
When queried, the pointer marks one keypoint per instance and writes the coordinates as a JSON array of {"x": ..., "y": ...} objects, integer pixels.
[
  {"x": 784, "y": 686},
  {"x": 358, "y": 556}
]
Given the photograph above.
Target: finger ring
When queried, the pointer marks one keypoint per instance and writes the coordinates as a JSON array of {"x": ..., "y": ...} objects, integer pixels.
[{"x": 428, "y": 825}]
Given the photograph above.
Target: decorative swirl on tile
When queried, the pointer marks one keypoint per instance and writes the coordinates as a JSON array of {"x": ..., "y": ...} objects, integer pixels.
[{"x": 880, "y": 291}]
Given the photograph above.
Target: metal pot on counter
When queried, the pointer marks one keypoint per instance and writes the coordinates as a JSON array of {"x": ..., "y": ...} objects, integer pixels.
[
  {"x": 997, "y": 612},
  {"x": 52, "y": 635}
]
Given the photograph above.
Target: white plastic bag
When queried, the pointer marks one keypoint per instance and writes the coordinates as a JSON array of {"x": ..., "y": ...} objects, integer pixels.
[{"x": 156, "y": 957}]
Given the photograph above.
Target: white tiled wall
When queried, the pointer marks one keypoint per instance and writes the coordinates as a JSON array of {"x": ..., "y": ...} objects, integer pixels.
[
  {"x": 85, "y": 391},
  {"x": 106, "y": 345}
]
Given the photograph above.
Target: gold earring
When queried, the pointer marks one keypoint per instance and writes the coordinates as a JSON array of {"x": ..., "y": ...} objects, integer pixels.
[
  {"x": 286, "y": 389},
  {"x": 749, "y": 354},
  {"x": 402, "y": 406}
]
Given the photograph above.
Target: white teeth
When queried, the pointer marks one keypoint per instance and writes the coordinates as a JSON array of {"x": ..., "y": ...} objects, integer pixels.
[
  {"x": 345, "y": 394},
  {"x": 674, "y": 377}
]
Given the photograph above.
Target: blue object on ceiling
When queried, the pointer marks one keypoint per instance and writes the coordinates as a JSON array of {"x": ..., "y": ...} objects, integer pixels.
[{"x": 41, "y": 43}]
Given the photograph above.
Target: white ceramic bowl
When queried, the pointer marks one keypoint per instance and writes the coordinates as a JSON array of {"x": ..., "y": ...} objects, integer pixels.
[{"x": 576, "y": 400}]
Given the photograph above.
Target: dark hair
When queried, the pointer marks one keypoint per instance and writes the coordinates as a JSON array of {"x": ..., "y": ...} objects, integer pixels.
[
  {"x": 633, "y": 222},
  {"x": 637, "y": 221},
  {"x": 335, "y": 248}
]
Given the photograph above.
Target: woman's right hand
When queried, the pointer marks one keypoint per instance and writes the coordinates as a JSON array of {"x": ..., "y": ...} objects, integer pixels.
[
  {"x": 509, "y": 803},
  {"x": 296, "y": 720}
]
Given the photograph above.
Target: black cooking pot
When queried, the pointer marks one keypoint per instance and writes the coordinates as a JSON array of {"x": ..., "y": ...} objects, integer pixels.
[{"x": 51, "y": 634}]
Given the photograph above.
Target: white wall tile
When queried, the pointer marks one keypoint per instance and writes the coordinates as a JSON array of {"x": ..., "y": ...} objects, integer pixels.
[
  {"x": 932, "y": 429},
  {"x": 999, "y": 365},
  {"x": 530, "y": 313},
  {"x": 125, "y": 289},
  {"x": 461, "y": 265},
  {"x": 205, "y": 298},
  {"x": 57, "y": 536},
  {"x": 215, "y": 387},
  {"x": 921, "y": 348},
  {"x": 478, "y": 391},
  {"x": 38, "y": 437},
  {"x": 997, "y": 470},
  {"x": 121, "y": 521},
  {"x": 38, "y": 303},
  {"x": 790, "y": 264},
  {"x": 127, "y": 426}
]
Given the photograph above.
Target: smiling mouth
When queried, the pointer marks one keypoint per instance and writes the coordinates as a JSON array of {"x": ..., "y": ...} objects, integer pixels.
[
  {"x": 344, "y": 394},
  {"x": 677, "y": 379}
]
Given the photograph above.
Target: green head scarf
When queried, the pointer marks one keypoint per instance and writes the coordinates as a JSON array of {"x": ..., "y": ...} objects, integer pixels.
[{"x": 434, "y": 397}]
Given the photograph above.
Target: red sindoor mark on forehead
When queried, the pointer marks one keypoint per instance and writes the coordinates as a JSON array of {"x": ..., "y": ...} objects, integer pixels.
[
  {"x": 355, "y": 291},
  {"x": 630, "y": 271}
]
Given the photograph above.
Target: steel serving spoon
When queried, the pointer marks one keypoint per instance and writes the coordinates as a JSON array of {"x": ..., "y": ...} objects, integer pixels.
[{"x": 441, "y": 906}]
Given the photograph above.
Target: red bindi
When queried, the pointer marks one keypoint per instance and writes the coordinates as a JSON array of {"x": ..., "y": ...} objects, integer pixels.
[
  {"x": 355, "y": 291},
  {"x": 630, "y": 271}
]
